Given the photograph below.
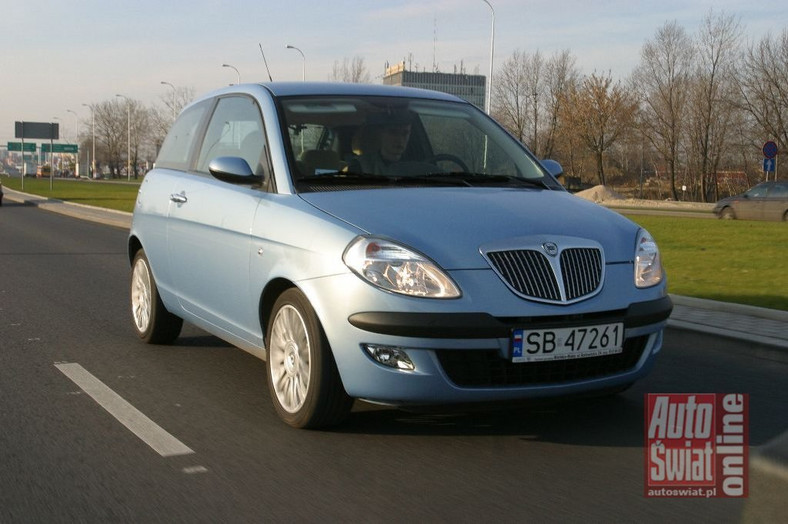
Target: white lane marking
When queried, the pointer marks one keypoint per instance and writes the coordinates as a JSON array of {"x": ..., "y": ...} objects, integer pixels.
[
  {"x": 191, "y": 470},
  {"x": 148, "y": 431}
]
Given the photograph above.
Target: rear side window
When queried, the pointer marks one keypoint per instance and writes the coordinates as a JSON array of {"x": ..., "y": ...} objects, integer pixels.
[
  {"x": 779, "y": 191},
  {"x": 178, "y": 146},
  {"x": 235, "y": 129}
]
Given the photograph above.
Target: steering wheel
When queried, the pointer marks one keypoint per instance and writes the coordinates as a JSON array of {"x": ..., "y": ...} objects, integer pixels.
[{"x": 446, "y": 157}]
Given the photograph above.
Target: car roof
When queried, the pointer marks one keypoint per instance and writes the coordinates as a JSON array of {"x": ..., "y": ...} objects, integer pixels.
[
  {"x": 339, "y": 88},
  {"x": 286, "y": 89}
]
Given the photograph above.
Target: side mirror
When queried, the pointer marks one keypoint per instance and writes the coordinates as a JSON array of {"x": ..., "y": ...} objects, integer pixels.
[
  {"x": 233, "y": 170},
  {"x": 553, "y": 167}
]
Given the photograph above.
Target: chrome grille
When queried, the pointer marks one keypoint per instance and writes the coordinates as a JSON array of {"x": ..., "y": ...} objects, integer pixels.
[
  {"x": 582, "y": 271},
  {"x": 530, "y": 273},
  {"x": 527, "y": 272}
]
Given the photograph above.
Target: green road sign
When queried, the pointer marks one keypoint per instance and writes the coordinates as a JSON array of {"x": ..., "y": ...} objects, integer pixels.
[
  {"x": 30, "y": 147},
  {"x": 60, "y": 148}
]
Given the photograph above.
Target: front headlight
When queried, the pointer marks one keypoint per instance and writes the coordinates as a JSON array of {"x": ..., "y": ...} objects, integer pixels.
[
  {"x": 396, "y": 268},
  {"x": 648, "y": 266}
]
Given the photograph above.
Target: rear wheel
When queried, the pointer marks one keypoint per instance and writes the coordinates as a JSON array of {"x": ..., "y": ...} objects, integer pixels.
[
  {"x": 303, "y": 380},
  {"x": 152, "y": 322}
]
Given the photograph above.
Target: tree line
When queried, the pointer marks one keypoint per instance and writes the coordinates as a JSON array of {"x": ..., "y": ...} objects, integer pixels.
[
  {"x": 694, "y": 113},
  {"x": 688, "y": 123}
]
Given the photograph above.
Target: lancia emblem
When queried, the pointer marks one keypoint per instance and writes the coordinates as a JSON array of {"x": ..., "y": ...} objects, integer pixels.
[{"x": 550, "y": 248}]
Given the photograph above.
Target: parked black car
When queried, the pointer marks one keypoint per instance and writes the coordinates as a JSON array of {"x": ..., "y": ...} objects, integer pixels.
[{"x": 766, "y": 201}]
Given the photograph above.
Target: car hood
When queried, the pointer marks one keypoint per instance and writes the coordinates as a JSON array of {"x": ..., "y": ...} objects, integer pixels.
[{"x": 451, "y": 225}]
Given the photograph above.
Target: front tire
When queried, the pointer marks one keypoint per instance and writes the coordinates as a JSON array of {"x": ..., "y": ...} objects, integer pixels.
[
  {"x": 728, "y": 214},
  {"x": 152, "y": 322},
  {"x": 303, "y": 380}
]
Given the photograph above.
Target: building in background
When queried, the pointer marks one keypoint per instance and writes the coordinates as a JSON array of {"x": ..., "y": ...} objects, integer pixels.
[{"x": 467, "y": 87}]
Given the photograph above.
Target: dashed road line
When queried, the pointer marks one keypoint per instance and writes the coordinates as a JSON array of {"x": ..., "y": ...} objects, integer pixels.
[{"x": 144, "y": 428}]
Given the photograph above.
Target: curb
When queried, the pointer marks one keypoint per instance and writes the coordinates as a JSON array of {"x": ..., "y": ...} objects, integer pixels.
[
  {"x": 728, "y": 333},
  {"x": 111, "y": 217},
  {"x": 729, "y": 307},
  {"x": 749, "y": 323}
]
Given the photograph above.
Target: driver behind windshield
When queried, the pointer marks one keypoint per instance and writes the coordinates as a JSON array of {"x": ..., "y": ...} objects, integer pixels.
[{"x": 390, "y": 132}]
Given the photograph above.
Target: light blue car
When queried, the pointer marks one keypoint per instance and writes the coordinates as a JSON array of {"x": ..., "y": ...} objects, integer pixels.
[{"x": 387, "y": 244}]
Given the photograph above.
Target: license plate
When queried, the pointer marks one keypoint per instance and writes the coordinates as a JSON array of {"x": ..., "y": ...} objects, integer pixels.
[{"x": 539, "y": 345}]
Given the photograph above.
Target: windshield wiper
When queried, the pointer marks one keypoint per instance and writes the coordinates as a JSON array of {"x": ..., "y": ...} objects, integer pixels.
[
  {"x": 474, "y": 179},
  {"x": 343, "y": 176},
  {"x": 453, "y": 179}
]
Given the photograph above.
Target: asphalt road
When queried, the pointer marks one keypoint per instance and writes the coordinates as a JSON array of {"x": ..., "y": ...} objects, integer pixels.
[{"x": 63, "y": 458}]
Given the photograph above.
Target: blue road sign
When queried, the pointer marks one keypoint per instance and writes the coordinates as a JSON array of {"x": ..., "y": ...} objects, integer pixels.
[
  {"x": 770, "y": 149},
  {"x": 768, "y": 165}
]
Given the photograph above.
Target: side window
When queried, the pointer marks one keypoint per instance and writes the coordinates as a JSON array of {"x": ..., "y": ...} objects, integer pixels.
[
  {"x": 178, "y": 146},
  {"x": 235, "y": 129},
  {"x": 758, "y": 191},
  {"x": 779, "y": 191}
]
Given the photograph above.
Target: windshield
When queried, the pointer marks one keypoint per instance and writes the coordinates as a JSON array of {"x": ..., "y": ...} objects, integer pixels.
[{"x": 382, "y": 141}]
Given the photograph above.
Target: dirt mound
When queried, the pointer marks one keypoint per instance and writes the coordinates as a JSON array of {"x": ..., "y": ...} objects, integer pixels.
[{"x": 599, "y": 194}]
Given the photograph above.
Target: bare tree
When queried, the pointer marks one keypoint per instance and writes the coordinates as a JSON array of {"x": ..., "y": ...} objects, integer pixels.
[
  {"x": 140, "y": 129},
  {"x": 114, "y": 120},
  {"x": 161, "y": 119},
  {"x": 516, "y": 96},
  {"x": 711, "y": 110},
  {"x": 510, "y": 97},
  {"x": 662, "y": 79},
  {"x": 763, "y": 86},
  {"x": 601, "y": 112},
  {"x": 561, "y": 76},
  {"x": 350, "y": 70},
  {"x": 534, "y": 82},
  {"x": 111, "y": 127}
]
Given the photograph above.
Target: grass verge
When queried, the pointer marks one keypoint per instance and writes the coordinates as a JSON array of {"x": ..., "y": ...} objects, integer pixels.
[
  {"x": 119, "y": 195},
  {"x": 728, "y": 260}
]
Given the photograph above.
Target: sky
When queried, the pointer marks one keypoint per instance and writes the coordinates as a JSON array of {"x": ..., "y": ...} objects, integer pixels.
[{"x": 58, "y": 56}]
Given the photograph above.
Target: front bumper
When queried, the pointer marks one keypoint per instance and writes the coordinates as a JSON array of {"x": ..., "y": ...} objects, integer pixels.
[
  {"x": 484, "y": 325},
  {"x": 462, "y": 353}
]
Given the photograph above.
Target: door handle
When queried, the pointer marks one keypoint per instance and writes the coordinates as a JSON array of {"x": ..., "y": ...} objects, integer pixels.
[{"x": 179, "y": 198}]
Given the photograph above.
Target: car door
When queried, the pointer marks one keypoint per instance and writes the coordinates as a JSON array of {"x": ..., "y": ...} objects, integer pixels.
[
  {"x": 210, "y": 222},
  {"x": 750, "y": 206},
  {"x": 776, "y": 200}
]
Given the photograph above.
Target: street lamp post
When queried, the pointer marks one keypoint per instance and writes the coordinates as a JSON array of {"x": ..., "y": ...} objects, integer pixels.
[
  {"x": 76, "y": 139},
  {"x": 236, "y": 71},
  {"x": 128, "y": 136},
  {"x": 488, "y": 102},
  {"x": 303, "y": 62},
  {"x": 174, "y": 94},
  {"x": 52, "y": 157},
  {"x": 92, "y": 173}
]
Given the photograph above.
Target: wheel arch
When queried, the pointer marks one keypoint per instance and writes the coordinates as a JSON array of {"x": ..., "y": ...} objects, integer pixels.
[
  {"x": 134, "y": 246},
  {"x": 271, "y": 292},
  {"x": 728, "y": 211}
]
